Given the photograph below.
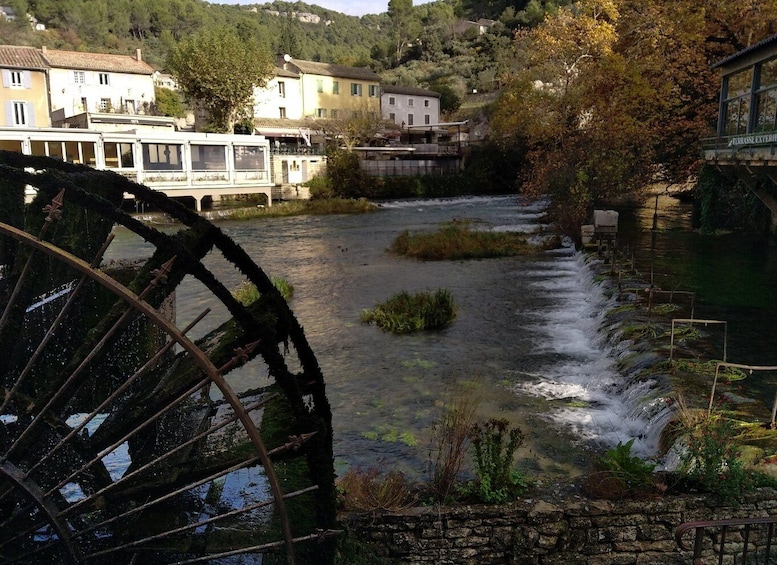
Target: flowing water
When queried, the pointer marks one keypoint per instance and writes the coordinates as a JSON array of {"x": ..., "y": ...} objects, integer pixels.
[{"x": 526, "y": 341}]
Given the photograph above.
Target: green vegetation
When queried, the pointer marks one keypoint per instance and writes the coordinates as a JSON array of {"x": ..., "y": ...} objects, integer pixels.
[
  {"x": 494, "y": 444},
  {"x": 631, "y": 473},
  {"x": 460, "y": 241},
  {"x": 218, "y": 70},
  {"x": 302, "y": 207},
  {"x": 246, "y": 292},
  {"x": 407, "y": 313}
]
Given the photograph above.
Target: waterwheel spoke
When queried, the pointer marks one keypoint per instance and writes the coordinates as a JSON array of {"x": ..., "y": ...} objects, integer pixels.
[
  {"x": 73, "y": 295},
  {"x": 247, "y": 463},
  {"x": 201, "y": 523},
  {"x": 118, "y": 392},
  {"x": 127, "y": 437}
]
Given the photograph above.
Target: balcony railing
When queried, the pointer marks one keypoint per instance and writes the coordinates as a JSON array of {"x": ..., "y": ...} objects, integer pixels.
[{"x": 739, "y": 540}]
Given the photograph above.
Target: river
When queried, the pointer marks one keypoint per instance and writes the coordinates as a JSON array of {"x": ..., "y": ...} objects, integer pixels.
[{"x": 526, "y": 341}]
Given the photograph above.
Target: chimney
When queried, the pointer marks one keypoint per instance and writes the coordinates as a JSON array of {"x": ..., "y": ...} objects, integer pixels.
[
  {"x": 43, "y": 48},
  {"x": 137, "y": 55}
]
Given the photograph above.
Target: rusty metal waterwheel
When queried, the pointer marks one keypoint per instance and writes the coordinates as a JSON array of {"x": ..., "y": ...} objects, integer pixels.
[{"x": 121, "y": 439}]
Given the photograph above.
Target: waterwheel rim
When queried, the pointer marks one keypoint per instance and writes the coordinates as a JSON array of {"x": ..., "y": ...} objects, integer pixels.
[{"x": 45, "y": 456}]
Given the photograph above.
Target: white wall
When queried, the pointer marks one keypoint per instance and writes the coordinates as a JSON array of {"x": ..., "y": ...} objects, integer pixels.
[
  {"x": 66, "y": 93},
  {"x": 268, "y": 99},
  {"x": 402, "y": 107}
]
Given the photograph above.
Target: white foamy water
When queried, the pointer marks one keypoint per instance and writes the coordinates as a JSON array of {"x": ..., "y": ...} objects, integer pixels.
[{"x": 586, "y": 392}]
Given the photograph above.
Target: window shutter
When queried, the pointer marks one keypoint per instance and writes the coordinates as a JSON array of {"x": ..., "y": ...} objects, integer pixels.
[
  {"x": 9, "y": 114},
  {"x": 27, "y": 79},
  {"x": 30, "y": 115},
  {"x": 6, "y": 78}
]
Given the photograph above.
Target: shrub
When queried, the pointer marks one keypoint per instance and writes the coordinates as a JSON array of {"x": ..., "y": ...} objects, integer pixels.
[
  {"x": 371, "y": 490},
  {"x": 407, "y": 313},
  {"x": 712, "y": 460},
  {"x": 494, "y": 445},
  {"x": 449, "y": 442}
]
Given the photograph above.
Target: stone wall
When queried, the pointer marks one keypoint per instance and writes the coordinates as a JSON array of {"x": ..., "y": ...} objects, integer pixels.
[{"x": 571, "y": 531}]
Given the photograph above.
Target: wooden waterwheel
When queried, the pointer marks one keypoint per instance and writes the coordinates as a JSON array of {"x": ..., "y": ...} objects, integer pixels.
[{"x": 121, "y": 439}]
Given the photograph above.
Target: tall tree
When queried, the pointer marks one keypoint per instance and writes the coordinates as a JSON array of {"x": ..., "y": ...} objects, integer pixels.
[
  {"x": 218, "y": 71},
  {"x": 403, "y": 24}
]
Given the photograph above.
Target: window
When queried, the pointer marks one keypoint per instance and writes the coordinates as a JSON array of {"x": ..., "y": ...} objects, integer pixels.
[
  {"x": 335, "y": 87},
  {"x": 162, "y": 157},
  {"x": 249, "y": 158},
  {"x": 427, "y": 119},
  {"x": 410, "y": 102},
  {"x": 356, "y": 89},
  {"x": 104, "y": 79},
  {"x": 426, "y": 103},
  {"x": 19, "y": 114},
  {"x": 321, "y": 112},
  {"x": 16, "y": 79},
  {"x": 333, "y": 113},
  {"x": 281, "y": 89},
  {"x": 392, "y": 101},
  {"x": 373, "y": 91},
  {"x": 320, "y": 85},
  {"x": 282, "y": 112},
  {"x": 79, "y": 77},
  {"x": 410, "y": 119},
  {"x": 129, "y": 106},
  {"x": 118, "y": 155},
  {"x": 105, "y": 104},
  {"x": 392, "y": 116},
  {"x": 209, "y": 157},
  {"x": 84, "y": 107}
]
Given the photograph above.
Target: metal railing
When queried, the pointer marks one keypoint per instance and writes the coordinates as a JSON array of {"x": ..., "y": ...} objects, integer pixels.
[{"x": 738, "y": 540}]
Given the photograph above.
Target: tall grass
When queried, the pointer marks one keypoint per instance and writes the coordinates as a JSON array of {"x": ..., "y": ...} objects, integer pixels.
[
  {"x": 246, "y": 292},
  {"x": 449, "y": 442},
  {"x": 459, "y": 241},
  {"x": 407, "y": 313}
]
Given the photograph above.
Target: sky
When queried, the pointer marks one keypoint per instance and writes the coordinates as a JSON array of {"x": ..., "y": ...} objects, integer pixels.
[{"x": 350, "y": 7}]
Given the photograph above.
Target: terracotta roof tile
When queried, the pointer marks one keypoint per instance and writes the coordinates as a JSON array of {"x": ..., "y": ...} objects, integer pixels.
[
  {"x": 96, "y": 62},
  {"x": 18, "y": 57}
]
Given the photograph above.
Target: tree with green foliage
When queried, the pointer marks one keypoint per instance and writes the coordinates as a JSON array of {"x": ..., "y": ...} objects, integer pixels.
[
  {"x": 449, "y": 100},
  {"x": 168, "y": 103},
  {"x": 218, "y": 71},
  {"x": 403, "y": 23}
]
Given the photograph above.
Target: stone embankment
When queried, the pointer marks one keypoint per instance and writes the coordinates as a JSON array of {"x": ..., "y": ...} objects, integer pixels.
[{"x": 570, "y": 530}]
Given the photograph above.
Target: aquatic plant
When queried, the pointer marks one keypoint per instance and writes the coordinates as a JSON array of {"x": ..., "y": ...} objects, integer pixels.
[
  {"x": 407, "y": 313},
  {"x": 459, "y": 241},
  {"x": 300, "y": 208},
  {"x": 246, "y": 292}
]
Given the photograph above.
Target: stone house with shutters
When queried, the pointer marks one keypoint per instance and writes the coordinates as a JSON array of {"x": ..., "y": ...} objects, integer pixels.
[
  {"x": 98, "y": 82},
  {"x": 410, "y": 106},
  {"x": 24, "y": 94}
]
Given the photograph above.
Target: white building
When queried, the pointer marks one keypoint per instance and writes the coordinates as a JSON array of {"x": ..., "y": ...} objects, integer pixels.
[
  {"x": 280, "y": 98},
  {"x": 409, "y": 106},
  {"x": 98, "y": 82}
]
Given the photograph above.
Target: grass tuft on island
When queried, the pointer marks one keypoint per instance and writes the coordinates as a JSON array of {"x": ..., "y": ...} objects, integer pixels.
[
  {"x": 407, "y": 313},
  {"x": 458, "y": 241},
  {"x": 301, "y": 207}
]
